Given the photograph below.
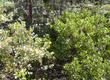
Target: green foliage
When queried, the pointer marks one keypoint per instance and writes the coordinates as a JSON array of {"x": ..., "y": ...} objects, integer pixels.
[
  {"x": 21, "y": 74},
  {"x": 88, "y": 36},
  {"x": 6, "y": 13},
  {"x": 79, "y": 46},
  {"x": 19, "y": 47}
]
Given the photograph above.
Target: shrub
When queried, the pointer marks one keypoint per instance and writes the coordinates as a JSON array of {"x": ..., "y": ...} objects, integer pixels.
[
  {"x": 18, "y": 48},
  {"x": 6, "y": 13},
  {"x": 85, "y": 37}
]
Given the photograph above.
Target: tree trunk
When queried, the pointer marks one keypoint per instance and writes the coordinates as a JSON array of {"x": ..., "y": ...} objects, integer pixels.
[{"x": 29, "y": 15}]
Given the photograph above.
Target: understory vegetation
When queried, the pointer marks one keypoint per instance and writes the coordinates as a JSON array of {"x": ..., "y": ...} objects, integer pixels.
[{"x": 70, "y": 43}]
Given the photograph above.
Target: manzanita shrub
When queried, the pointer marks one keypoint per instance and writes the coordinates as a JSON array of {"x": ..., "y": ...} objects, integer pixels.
[
  {"x": 18, "y": 49},
  {"x": 86, "y": 38}
]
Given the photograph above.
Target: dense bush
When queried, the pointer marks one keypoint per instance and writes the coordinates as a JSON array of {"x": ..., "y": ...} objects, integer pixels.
[
  {"x": 19, "y": 48},
  {"x": 86, "y": 38},
  {"x": 73, "y": 45}
]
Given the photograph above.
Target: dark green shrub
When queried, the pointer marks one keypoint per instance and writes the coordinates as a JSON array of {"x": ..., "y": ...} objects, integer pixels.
[{"x": 85, "y": 37}]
